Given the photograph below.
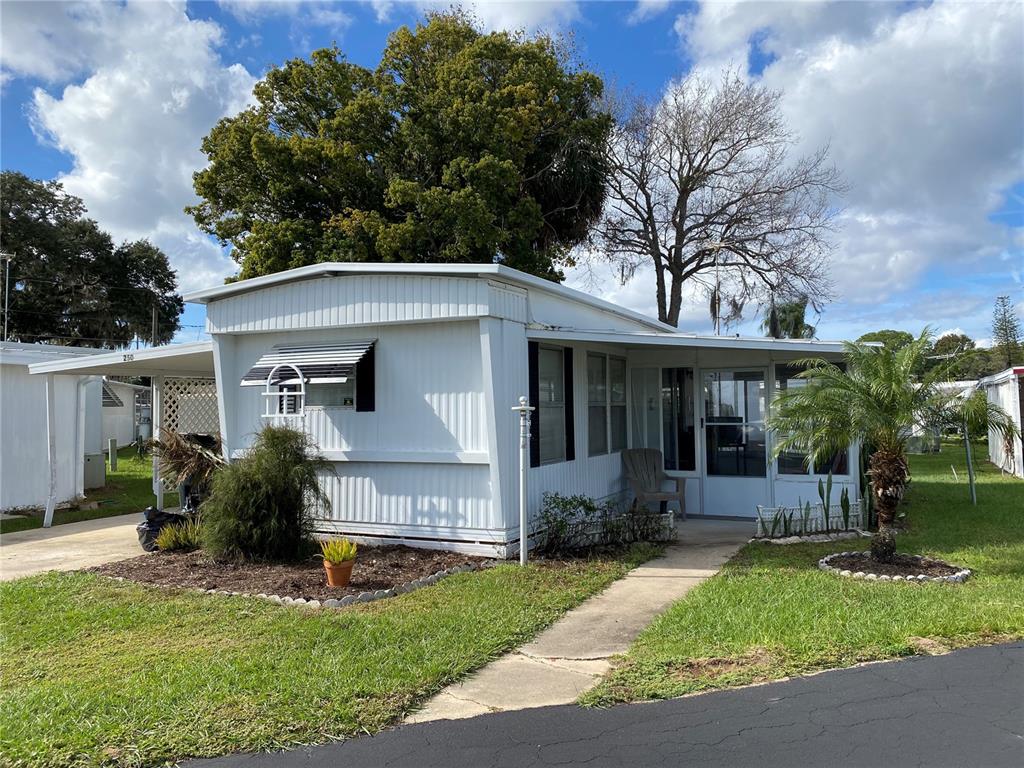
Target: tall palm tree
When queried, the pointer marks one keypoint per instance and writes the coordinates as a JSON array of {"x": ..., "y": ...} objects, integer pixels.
[
  {"x": 788, "y": 320},
  {"x": 877, "y": 400}
]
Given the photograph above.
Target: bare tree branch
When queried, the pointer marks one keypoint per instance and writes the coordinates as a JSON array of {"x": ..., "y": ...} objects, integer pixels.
[{"x": 703, "y": 182}]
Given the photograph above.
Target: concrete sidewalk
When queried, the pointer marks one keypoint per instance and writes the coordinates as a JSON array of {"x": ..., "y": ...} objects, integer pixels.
[
  {"x": 69, "y": 547},
  {"x": 573, "y": 654}
]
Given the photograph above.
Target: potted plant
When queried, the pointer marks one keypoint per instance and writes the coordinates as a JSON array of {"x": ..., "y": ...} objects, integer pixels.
[{"x": 339, "y": 557}]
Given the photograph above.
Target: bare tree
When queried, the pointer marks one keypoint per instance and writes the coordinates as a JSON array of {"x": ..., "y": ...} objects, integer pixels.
[{"x": 703, "y": 187}]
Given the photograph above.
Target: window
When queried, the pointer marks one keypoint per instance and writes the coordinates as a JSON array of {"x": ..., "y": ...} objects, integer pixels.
[
  {"x": 678, "y": 428},
  {"x": 794, "y": 462},
  {"x": 338, "y": 395},
  {"x": 606, "y": 404},
  {"x": 597, "y": 404},
  {"x": 551, "y": 404}
]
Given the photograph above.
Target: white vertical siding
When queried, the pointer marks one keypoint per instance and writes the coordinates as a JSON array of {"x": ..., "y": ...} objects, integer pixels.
[
  {"x": 333, "y": 302},
  {"x": 1007, "y": 395},
  {"x": 408, "y": 499}
]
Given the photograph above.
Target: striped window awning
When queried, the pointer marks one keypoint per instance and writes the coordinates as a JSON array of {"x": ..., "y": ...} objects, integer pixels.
[{"x": 330, "y": 363}]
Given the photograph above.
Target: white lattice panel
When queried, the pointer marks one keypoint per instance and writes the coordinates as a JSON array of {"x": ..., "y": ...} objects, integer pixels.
[{"x": 190, "y": 406}]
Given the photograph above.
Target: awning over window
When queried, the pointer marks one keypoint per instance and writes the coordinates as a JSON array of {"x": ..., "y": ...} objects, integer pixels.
[{"x": 329, "y": 363}]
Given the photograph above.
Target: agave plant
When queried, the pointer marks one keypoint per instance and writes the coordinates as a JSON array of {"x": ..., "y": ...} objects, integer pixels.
[{"x": 877, "y": 399}]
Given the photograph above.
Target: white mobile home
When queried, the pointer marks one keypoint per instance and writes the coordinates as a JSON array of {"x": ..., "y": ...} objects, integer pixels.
[
  {"x": 1006, "y": 389},
  {"x": 120, "y": 413},
  {"x": 24, "y": 464},
  {"x": 405, "y": 376}
]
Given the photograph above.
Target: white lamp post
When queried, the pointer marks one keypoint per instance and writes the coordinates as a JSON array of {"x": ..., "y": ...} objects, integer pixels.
[{"x": 524, "y": 409}]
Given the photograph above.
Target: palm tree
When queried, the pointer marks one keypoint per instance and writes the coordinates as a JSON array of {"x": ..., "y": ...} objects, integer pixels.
[
  {"x": 787, "y": 320},
  {"x": 877, "y": 400}
]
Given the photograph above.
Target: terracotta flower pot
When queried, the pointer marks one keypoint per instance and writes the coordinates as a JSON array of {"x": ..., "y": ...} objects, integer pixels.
[{"x": 338, "y": 574}]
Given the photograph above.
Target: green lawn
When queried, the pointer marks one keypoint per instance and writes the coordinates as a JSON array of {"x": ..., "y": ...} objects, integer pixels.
[
  {"x": 94, "y": 671},
  {"x": 129, "y": 489},
  {"x": 771, "y": 613}
]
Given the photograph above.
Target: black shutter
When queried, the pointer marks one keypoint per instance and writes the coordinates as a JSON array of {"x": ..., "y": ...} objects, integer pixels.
[
  {"x": 570, "y": 421},
  {"x": 366, "y": 382},
  {"x": 533, "y": 366}
]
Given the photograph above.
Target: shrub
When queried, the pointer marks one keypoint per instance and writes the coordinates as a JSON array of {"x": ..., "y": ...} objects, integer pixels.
[
  {"x": 261, "y": 506},
  {"x": 337, "y": 551},
  {"x": 183, "y": 536},
  {"x": 189, "y": 459},
  {"x": 573, "y": 525}
]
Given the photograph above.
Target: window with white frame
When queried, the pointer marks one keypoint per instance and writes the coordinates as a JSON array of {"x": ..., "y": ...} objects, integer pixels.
[
  {"x": 551, "y": 404},
  {"x": 606, "y": 403},
  {"x": 336, "y": 395}
]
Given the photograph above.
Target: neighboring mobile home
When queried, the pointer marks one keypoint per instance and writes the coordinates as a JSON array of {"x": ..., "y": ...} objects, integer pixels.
[
  {"x": 1006, "y": 389},
  {"x": 120, "y": 412},
  {"x": 24, "y": 466},
  {"x": 405, "y": 376}
]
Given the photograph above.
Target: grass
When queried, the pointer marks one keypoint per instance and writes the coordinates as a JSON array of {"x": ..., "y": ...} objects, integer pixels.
[
  {"x": 97, "y": 672},
  {"x": 771, "y": 613},
  {"x": 129, "y": 489}
]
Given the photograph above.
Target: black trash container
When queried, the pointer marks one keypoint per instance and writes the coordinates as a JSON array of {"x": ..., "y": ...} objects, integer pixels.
[{"x": 155, "y": 519}]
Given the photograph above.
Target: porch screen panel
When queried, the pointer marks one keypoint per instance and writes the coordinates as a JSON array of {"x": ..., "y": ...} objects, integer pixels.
[
  {"x": 617, "y": 402},
  {"x": 793, "y": 462},
  {"x": 645, "y": 386},
  {"x": 734, "y": 405},
  {"x": 678, "y": 423}
]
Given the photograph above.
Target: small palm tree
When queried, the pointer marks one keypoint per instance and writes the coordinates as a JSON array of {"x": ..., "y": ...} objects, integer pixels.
[{"x": 877, "y": 400}]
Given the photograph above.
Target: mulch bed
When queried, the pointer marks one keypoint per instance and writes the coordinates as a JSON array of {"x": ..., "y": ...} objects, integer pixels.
[
  {"x": 902, "y": 565},
  {"x": 376, "y": 568}
]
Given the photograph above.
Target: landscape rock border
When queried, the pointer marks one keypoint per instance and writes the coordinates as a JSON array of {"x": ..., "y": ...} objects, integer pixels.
[
  {"x": 344, "y": 602},
  {"x": 813, "y": 538},
  {"x": 957, "y": 578}
]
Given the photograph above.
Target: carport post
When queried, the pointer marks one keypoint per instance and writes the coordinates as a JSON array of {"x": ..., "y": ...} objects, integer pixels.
[
  {"x": 157, "y": 407},
  {"x": 51, "y": 449}
]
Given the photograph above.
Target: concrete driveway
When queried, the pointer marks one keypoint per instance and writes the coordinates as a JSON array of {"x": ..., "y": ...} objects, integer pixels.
[
  {"x": 69, "y": 547},
  {"x": 962, "y": 709}
]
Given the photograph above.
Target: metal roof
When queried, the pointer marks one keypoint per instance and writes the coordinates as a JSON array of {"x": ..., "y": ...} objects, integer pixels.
[
  {"x": 497, "y": 271},
  {"x": 185, "y": 360},
  {"x": 803, "y": 346}
]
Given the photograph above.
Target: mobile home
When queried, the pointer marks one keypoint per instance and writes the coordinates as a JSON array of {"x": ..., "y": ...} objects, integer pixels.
[{"x": 405, "y": 376}]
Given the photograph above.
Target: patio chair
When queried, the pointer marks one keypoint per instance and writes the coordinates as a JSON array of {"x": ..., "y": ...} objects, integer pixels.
[{"x": 645, "y": 471}]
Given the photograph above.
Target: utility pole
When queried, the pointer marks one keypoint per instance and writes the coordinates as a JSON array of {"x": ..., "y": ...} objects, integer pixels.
[
  {"x": 8, "y": 258},
  {"x": 154, "y": 322}
]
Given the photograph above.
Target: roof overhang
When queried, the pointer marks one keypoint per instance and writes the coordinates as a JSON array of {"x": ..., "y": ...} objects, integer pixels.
[
  {"x": 1016, "y": 372},
  {"x": 184, "y": 360},
  {"x": 806, "y": 347}
]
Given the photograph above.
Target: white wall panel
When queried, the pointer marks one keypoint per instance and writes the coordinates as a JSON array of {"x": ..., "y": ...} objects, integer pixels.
[
  {"x": 438, "y": 500},
  {"x": 332, "y": 302}
]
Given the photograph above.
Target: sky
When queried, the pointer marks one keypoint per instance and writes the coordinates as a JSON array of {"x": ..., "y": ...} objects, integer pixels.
[{"x": 921, "y": 105}]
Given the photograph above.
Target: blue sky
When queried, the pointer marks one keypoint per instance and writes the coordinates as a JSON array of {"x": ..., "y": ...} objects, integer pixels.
[{"x": 922, "y": 105}]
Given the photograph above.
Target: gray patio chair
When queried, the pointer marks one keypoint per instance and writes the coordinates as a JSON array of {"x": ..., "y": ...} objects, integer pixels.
[{"x": 645, "y": 471}]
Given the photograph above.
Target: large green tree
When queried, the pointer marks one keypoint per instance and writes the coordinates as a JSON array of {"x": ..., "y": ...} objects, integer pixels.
[
  {"x": 69, "y": 283},
  {"x": 460, "y": 146},
  {"x": 788, "y": 320}
]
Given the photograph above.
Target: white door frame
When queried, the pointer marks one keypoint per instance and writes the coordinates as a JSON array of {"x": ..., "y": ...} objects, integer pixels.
[{"x": 702, "y": 465}]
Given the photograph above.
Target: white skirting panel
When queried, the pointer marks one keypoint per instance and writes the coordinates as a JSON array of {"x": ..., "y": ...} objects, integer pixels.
[{"x": 418, "y": 500}]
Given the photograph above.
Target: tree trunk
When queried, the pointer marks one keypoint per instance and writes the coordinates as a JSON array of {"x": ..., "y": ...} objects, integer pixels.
[{"x": 889, "y": 474}]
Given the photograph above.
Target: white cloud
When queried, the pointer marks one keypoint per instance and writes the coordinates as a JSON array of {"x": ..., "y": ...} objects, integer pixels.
[
  {"x": 923, "y": 108},
  {"x": 531, "y": 15},
  {"x": 300, "y": 13},
  {"x": 154, "y": 86},
  {"x": 646, "y": 9}
]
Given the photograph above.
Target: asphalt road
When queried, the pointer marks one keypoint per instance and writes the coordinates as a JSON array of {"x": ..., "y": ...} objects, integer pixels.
[{"x": 962, "y": 709}]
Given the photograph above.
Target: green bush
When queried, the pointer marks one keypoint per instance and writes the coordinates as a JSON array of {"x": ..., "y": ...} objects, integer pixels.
[
  {"x": 184, "y": 536},
  {"x": 577, "y": 525},
  {"x": 261, "y": 506}
]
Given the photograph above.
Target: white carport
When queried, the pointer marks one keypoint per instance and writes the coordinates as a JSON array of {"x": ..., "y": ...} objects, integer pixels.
[{"x": 184, "y": 392}]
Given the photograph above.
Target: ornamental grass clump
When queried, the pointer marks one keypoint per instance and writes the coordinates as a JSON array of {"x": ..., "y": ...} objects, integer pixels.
[
  {"x": 338, "y": 550},
  {"x": 180, "y": 537},
  {"x": 261, "y": 506}
]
